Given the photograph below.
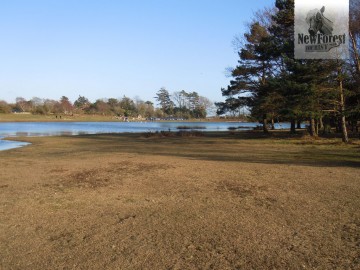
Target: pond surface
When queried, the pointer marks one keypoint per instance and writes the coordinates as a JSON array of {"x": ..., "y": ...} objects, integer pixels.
[
  {"x": 5, "y": 144},
  {"x": 76, "y": 128}
]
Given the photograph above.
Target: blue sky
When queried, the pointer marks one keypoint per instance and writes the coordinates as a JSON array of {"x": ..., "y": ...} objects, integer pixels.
[{"x": 112, "y": 48}]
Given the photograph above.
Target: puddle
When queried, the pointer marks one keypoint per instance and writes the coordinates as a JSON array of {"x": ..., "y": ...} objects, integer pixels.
[{"x": 6, "y": 144}]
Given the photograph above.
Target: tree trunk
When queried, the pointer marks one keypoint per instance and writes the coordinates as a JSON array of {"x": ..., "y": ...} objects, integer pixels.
[
  {"x": 321, "y": 123},
  {"x": 272, "y": 124},
  {"x": 265, "y": 126},
  {"x": 316, "y": 127},
  {"x": 298, "y": 123},
  {"x": 312, "y": 127},
  {"x": 357, "y": 57},
  {"x": 292, "y": 126},
  {"x": 338, "y": 125},
  {"x": 344, "y": 134}
]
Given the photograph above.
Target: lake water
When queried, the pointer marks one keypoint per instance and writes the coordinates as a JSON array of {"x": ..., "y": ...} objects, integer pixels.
[{"x": 77, "y": 128}]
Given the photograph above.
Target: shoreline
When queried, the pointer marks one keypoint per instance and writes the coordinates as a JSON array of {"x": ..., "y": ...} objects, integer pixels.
[
  {"x": 17, "y": 117},
  {"x": 280, "y": 135}
]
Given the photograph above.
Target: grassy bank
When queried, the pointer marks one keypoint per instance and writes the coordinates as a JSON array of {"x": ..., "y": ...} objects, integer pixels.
[{"x": 221, "y": 201}]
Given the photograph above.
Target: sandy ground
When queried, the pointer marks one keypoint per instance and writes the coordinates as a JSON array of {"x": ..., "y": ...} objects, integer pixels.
[{"x": 128, "y": 202}]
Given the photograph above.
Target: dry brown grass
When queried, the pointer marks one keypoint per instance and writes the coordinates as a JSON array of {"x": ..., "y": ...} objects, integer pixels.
[{"x": 213, "y": 202}]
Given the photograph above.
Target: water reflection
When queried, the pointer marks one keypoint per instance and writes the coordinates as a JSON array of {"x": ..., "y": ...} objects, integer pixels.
[
  {"x": 66, "y": 133},
  {"x": 6, "y": 145},
  {"x": 76, "y": 128},
  {"x": 22, "y": 134}
]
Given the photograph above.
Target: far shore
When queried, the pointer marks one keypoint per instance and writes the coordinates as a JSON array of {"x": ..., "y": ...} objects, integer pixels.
[{"x": 27, "y": 117}]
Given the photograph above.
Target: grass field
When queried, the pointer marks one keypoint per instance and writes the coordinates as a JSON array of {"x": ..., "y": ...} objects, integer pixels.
[{"x": 221, "y": 201}]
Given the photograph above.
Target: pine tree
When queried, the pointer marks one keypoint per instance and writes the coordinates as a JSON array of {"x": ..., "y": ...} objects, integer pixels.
[
  {"x": 249, "y": 86},
  {"x": 165, "y": 102}
]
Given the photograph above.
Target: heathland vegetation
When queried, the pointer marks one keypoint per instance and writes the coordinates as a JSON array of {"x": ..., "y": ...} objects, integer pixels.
[{"x": 220, "y": 201}]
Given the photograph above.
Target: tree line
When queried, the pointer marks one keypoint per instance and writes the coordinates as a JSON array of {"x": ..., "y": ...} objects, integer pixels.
[
  {"x": 180, "y": 104},
  {"x": 274, "y": 86},
  {"x": 183, "y": 104}
]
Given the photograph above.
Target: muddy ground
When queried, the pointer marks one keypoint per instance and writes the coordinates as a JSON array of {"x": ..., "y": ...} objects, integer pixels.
[{"x": 211, "y": 202}]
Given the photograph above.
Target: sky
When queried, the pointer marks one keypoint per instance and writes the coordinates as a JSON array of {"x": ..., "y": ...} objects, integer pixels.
[{"x": 111, "y": 48}]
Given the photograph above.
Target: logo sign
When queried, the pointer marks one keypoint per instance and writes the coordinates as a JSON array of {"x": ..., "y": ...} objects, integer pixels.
[{"x": 321, "y": 29}]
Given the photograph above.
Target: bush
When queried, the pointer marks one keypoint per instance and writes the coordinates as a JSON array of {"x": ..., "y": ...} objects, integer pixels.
[{"x": 4, "y": 107}]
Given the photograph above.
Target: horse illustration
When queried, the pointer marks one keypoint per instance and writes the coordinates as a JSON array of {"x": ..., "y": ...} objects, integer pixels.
[{"x": 318, "y": 22}]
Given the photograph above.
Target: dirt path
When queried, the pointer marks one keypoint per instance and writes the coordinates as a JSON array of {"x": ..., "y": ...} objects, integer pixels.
[{"x": 126, "y": 202}]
